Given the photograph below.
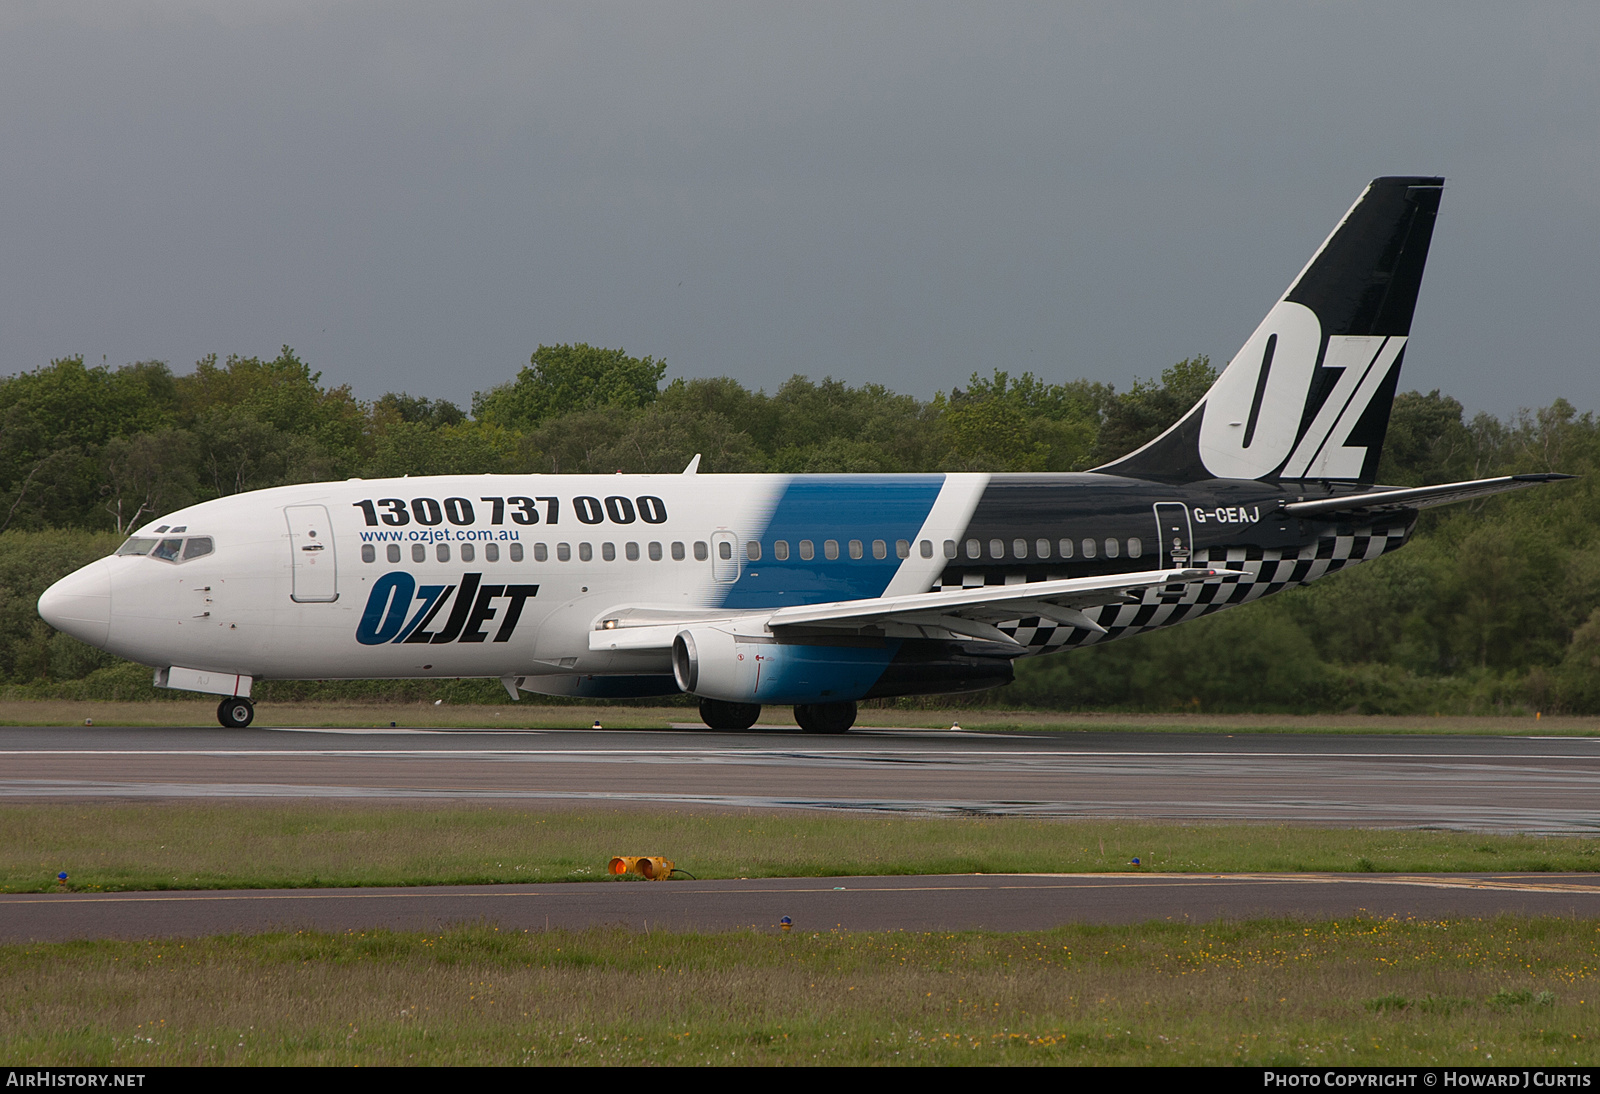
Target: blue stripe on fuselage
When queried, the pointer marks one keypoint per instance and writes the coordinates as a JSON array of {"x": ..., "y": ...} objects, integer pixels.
[{"x": 840, "y": 508}]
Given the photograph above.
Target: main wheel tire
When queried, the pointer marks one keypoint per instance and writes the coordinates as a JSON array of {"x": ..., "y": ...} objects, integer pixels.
[
  {"x": 729, "y": 716},
  {"x": 826, "y": 717},
  {"x": 236, "y": 713}
]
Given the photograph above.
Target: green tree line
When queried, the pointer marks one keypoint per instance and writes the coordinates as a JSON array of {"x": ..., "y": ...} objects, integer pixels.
[{"x": 1494, "y": 606}]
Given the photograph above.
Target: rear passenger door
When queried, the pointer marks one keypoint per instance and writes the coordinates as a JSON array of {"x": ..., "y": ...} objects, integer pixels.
[{"x": 1175, "y": 534}]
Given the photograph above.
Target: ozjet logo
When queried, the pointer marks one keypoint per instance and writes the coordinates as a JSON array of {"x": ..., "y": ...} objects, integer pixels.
[{"x": 399, "y": 611}]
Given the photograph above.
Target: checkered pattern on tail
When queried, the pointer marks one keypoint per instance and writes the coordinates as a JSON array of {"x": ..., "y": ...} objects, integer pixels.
[{"x": 1268, "y": 571}]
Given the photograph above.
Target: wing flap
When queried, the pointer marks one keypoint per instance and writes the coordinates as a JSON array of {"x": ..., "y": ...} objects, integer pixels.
[
  {"x": 970, "y": 612},
  {"x": 988, "y": 600}
]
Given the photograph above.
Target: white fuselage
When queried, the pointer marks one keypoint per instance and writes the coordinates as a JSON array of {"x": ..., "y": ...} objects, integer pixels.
[{"x": 285, "y": 590}]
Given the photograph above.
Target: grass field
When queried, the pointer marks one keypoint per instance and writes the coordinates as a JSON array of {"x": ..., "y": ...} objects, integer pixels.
[
  {"x": 1512, "y": 992},
  {"x": 355, "y": 715},
  {"x": 275, "y": 844}
]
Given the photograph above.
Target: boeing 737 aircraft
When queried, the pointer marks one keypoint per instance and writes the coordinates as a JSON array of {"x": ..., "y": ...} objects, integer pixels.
[{"x": 816, "y": 591}]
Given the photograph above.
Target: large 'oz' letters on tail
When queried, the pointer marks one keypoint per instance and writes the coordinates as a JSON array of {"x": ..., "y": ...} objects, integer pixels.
[{"x": 1308, "y": 396}]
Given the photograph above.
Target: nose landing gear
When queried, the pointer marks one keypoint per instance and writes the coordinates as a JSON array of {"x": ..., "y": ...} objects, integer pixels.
[
  {"x": 826, "y": 717},
  {"x": 236, "y": 713}
]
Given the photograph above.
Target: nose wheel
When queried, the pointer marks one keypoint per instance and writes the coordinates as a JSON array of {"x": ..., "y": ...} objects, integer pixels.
[
  {"x": 825, "y": 717},
  {"x": 236, "y": 713}
]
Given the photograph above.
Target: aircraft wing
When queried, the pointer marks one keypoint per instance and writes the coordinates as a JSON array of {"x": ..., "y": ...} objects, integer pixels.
[
  {"x": 971, "y": 612},
  {"x": 1421, "y": 497}
]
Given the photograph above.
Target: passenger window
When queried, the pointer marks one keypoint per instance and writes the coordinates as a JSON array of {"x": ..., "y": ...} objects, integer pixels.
[
  {"x": 608, "y": 551},
  {"x": 880, "y": 549},
  {"x": 198, "y": 546},
  {"x": 516, "y": 552},
  {"x": 167, "y": 550},
  {"x": 701, "y": 551},
  {"x": 1135, "y": 547},
  {"x": 541, "y": 553},
  {"x": 1066, "y": 548},
  {"x": 655, "y": 551},
  {"x": 902, "y": 548},
  {"x": 807, "y": 551},
  {"x": 752, "y": 550},
  {"x": 997, "y": 548},
  {"x": 1112, "y": 548},
  {"x": 442, "y": 550},
  {"x": 780, "y": 549},
  {"x": 491, "y": 552},
  {"x": 677, "y": 551},
  {"x": 585, "y": 552},
  {"x": 631, "y": 552},
  {"x": 855, "y": 548},
  {"x": 419, "y": 553},
  {"x": 136, "y": 547},
  {"x": 974, "y": 548},
  {"x": 369, "y": 553},
  {"x": 467, "y": 552},
  {"x": 724, "y": 549},
  {"x": 1088, "y": 548},
  {"x": 1041, "y": 547},
  {"x": 949, "y": 548},
  {"x": 830, "y": 549},
  {"x": 393, "y": 552},
  {"x": 563, "y": 552},
  {"x": 1019, "y": 547}
]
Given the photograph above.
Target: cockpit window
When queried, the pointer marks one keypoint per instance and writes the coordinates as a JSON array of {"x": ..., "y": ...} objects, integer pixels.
[{"x": 171, "y": 549}]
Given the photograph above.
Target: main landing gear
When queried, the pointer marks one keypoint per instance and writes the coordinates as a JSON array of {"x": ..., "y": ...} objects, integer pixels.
[
  {"x": 813, "y": 717},
  {"x": 729, "y": 716},
  {"x": 236, "y": 713},
  {"x": 826, "y": 717}
]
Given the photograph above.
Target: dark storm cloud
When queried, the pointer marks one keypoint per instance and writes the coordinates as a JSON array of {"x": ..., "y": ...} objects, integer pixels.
[{"x": 414, "y": 196}]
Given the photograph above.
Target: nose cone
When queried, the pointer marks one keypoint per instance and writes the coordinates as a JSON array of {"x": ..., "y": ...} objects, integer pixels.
[{"x": 80, "y": 603}]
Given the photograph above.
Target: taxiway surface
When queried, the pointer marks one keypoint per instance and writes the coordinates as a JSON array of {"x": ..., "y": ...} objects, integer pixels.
[{"x": 1506, "y": 784}]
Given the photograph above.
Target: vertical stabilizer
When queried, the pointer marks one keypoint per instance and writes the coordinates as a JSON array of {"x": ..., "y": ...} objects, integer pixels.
[{"x": 1308, "y": 396}]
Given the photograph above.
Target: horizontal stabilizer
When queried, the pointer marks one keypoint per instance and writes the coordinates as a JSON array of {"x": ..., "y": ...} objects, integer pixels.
[{"x": 1421, "y": 497}]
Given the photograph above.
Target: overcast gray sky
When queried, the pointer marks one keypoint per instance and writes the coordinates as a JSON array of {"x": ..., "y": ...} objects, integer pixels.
[{"x": 414, "y": 196}]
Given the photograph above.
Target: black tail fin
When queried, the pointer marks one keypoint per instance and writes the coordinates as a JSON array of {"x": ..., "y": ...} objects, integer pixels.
[{"x": 1308, "y": 396}]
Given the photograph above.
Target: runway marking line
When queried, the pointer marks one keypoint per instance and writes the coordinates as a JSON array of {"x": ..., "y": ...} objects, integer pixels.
[
  {"x": 1088, "y": 881},
  {"x": 780, "y": 753}
]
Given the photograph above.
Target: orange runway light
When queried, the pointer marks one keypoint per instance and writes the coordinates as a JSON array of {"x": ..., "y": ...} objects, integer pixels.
[{"x": 653, "y": 867}]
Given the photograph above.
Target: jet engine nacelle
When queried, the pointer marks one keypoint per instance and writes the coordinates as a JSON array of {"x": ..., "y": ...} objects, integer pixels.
[{"x": 713, "y": 663}]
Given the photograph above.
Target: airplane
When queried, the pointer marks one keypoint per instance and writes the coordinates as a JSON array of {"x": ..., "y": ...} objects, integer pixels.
[{"x": 814, "y": 591}]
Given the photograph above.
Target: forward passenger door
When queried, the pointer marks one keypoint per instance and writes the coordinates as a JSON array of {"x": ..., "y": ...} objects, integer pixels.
[{"x": 316, "y": 575}]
